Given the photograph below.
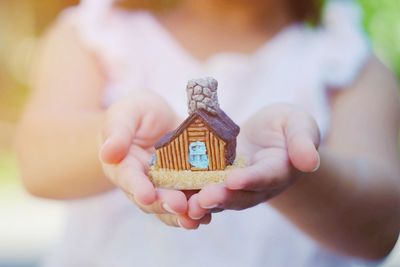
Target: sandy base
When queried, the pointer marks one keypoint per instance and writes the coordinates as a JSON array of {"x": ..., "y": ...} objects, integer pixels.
[{"x": 190, "y": 180}]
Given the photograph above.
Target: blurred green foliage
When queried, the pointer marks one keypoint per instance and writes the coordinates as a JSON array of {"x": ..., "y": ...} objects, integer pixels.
[
  {"x": 8, "y": 167},
  {"x": 382, "y": 22}
]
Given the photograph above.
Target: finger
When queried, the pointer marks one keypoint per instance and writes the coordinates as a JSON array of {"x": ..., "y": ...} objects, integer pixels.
[
  {"x": 216, "y": 210},
  {"x": 168, "y": 202},
  {"x": 169, "y": 219},
  {"x": 195, "y": 211},
  {"x": 130, "y": 176},
  {"x": 214, "y": 196},
  {"x": 270, "y": 169},
  {"x": 206, "y": 219},
  {"x": 172, "y": 201},
  {"x": 155, "y": 123},
  {"x": 183, "y": 221},
  {"x": 303, "y": 137},
  {"x": 156, "y": 118},
  {"x": 186, "y": 222},
  {"x": 190, "y": 193},
  {"x": 119, "y": 128}
]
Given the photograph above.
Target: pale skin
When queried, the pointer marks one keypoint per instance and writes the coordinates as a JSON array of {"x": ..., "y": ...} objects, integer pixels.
[{"x": 350, "y": 204}]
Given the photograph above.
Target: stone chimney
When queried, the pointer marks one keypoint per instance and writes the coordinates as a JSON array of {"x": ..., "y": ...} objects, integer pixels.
[{"x": 202, "y": 94}]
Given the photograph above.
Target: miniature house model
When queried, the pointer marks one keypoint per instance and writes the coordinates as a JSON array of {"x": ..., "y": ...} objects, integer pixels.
[{"x": 206, "y": 140}]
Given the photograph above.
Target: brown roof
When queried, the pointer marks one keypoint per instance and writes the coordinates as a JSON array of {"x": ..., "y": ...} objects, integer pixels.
[{"x": 220, "y": 124}]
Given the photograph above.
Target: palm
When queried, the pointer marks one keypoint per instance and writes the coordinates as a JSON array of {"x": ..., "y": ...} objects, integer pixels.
[
  {"x": 132, "y": 128},
  {"x": 278, "y": 142},
  {"x": 263, "y": 143}
]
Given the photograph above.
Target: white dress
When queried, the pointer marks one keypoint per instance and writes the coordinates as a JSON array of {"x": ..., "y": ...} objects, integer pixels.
[{"x": 297, "y": 66}]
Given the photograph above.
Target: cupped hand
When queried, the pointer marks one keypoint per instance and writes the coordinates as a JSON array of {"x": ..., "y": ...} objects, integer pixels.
[
  {"x": 281, "y": 143},
  {"x": 132, "y": 126}
]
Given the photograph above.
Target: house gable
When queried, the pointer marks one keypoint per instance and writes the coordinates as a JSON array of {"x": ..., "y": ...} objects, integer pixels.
[{"x": 220, "y": 124}]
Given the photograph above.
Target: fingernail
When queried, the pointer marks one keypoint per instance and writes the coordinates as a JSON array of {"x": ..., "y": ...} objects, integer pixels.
[
  {"x": 179, "y": 223},
  {"x": 102, "y": 149},
  {"x": 318, "y": 164},
  {"x": 168, "y": 208},
  {"x": 106, "y": 142},
  {"x": 210, "y": 207},
  {"x": 196, "y": 217}
]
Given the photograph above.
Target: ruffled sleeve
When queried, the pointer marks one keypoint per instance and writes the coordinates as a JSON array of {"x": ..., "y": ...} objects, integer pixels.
[
  {"x": 116, "y": 38},
  {"x": 344, "y": 45},
  {"x": 87, "y": 18}
]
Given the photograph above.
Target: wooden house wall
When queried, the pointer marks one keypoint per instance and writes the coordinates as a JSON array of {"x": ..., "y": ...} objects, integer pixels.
[{"x": 175, "y": 155}]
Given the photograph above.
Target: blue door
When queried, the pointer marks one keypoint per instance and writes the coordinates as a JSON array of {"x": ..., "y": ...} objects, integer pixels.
[{"x": 198, "y": 155}]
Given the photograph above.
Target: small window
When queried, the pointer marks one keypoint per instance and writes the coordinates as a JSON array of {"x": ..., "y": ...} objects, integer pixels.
[{"x": 198, "y": 155}]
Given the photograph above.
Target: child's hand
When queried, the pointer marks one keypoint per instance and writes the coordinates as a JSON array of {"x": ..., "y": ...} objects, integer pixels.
[
  {"x": 132, "y": 126},
  {"x": 281, "y": 142}
]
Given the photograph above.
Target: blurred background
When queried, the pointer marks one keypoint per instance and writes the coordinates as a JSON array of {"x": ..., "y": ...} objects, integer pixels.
[{"x": 30, "y": 226}]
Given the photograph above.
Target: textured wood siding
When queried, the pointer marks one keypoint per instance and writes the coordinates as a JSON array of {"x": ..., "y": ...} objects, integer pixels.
[
  {"x": 217, "y": 155},
  {"x": 197, "y": 132},
  {"x": 175, "y": 155}
]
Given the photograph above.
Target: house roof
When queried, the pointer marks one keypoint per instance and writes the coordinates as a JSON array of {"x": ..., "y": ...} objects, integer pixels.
[{"x": 220, "y": 124}]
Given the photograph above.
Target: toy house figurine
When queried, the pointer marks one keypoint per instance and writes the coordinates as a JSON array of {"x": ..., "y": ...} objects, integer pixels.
[{"x": 202, "y": 148}]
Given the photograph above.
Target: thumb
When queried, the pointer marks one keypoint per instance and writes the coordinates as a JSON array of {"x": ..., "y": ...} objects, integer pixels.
[
  {"x": 303, "y": 138},
  {"x": 118, "y": 131},
  {"x": 142, "y": 120}
]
